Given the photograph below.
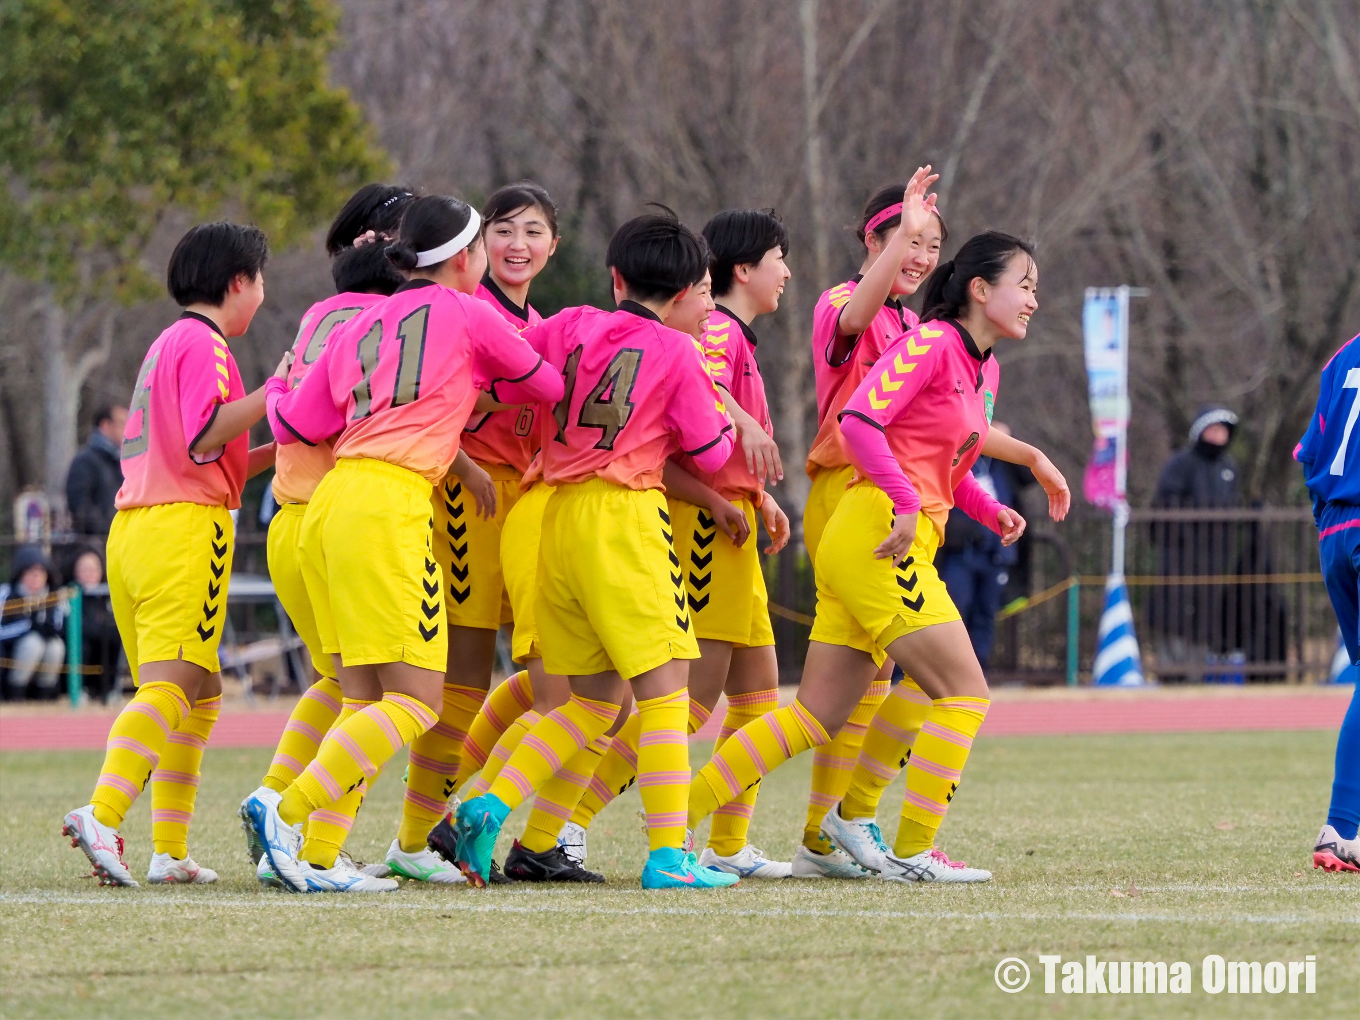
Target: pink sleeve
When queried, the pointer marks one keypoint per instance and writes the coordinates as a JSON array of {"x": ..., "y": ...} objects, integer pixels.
[
  {"x": 505, "y": 364},
  {"x": 720, "y": 358},
  {"x": 977, "y": 502},
  {"x": 694, "y": 410},
  {"x": 868, "y": 448},
  {"x": 307, "y": 414},
  {"x": 204, "y": 386}
]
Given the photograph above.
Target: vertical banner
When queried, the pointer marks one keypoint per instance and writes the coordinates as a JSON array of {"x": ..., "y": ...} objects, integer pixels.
[{"x": 1105, "y": 329}]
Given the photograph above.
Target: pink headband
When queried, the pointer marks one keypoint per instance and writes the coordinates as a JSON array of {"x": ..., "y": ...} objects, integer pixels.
[{"x": 882, "y": 217}]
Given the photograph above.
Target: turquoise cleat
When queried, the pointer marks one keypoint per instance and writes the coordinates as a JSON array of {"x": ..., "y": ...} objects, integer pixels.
[
  {"x": 672, "y": 868},
  {"x": 476, "y": 827}
]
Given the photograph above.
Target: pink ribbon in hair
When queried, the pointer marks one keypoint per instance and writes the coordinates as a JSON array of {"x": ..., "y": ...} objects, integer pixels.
[{"x": 882, "y": 217}]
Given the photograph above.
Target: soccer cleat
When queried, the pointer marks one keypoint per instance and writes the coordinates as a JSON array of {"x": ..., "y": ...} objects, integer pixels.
[
  {"x": 264, "y": 871},
  {"x": 379, "y": 870},
  {"x": 100, "y": 843},
  {"x": 930, "y": 866},
  {"x": 253, "y": 845},
  {"x": 166, "y": 870},
  {"x": 1332, "y": 853},
  {"x": 748, "y": 862},
  {"x": 476, "y": 826},
  {"x": 444, "y": 841},
  {"x": 551, "y": 865},
  {"x": 423, "y": 865},
  {"x": 344, "y": 877},
  {"x": 572, "y": 840},
  {"x": 836, "y": 863},
  {"x": 672, "y": 868},
  {"x": 281, "y": 841},
  {"x": 858, "y": 837}
]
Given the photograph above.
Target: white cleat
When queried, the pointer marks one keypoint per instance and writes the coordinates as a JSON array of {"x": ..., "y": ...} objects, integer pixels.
[
  {"x": 858, "y": 837},
  {"x": 265, "y": 873},
  {"x": 572, "y": 840},
  {"x": 100, "y": 843},
  {"x": 166, "y": 870},
  {"x": 423, "y": 865},
  {"x": 344, "y": 877},
  {"x": 282, "y": 842},
  {"x": 931, "y": 866},
  {"x": 1332, "y": 853},
  {"x": 379, "y": 870},
  {"x": 748, "y": 862},
  {"x": 836, "y": 864}
]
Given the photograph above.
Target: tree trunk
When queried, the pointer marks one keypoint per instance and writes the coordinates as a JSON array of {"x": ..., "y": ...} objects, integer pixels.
[{"x": 61, "y": 398}]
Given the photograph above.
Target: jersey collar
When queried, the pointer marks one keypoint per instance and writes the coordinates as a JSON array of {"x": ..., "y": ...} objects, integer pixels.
[
  {"x": 970, "y": 345},
  {"x": 203, "y": 319},
  {"x": 642, "y": 311},
  {"x": 503, "y": 300},
  {"x": 414, "y": 285},
  {"x": 746, "y": 330}
]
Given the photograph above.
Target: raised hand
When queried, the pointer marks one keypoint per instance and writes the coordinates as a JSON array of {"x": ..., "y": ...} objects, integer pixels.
[{"x": 917, "y": 205}]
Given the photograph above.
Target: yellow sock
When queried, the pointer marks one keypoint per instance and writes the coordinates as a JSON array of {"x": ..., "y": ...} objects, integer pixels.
[
  {"x": 616, "y": 772},
  {"x": 136, "y": 740},
  {"x": 549, "y": 745},
  {"x": 833, "y": 764},
  {"x": 503, "y": 706},
  {"x": 312, "y": 718},
  {"x": 355, "y": 751},
  {"x": 433, "y": 765},
  {"x": 500, "y": 754},
  {"x": 887, "y": 746},
  {"x": 698, "y": 715},
  {"x": 560, "y": 795},
  {"x": 732, "y": 821},
  {"x": 752, "y": 752},
  {"x": 326, "y": 830},
  {"x": 174, "y": 784},
  {"x": 663, "y": 767},
  {"x": 934, "y": 770}
]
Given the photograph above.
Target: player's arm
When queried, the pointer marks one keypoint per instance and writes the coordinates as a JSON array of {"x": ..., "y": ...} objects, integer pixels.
[
  {"x": 758, "y": 446},
  {"x": 1013, "y": 451},
  {"x": 987, "y": 510},
  {"x": 307, "y": 413},
  {"x": 683, "y": 485},
  {"x": 695, "y": 412},
  {"x": 261, "y": 459},
  {"x": 776, "y": 524},
  {"x": 210, "y": 422},
  {"x": 478, "y": 482},
  {"x": 505, "y": 365}
]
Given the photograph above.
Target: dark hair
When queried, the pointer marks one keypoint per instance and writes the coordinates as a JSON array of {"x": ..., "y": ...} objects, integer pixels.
[
  {"x": 657, "y": 255},
  {"x": 741, "y": 237},
  {"x": 427, "y": 223},
  {"x": 890, "y": 194},
  {"x": 985, "y": 255},
  {"x": 103, "y": 413},
  {"x": 376, "y": 207},
  {"x": 505, "y": 202},
  {"x": 365, "y": 270},
  {"x": 209, "y": 257}
]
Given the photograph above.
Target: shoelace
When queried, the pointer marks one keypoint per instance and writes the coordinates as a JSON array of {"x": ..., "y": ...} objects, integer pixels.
[
  {"x": 939, "y": 857},
  {"x": 877, "y": 835},
  {"x": 119, "y": 841},
  {"x": 757, "y": 853}
]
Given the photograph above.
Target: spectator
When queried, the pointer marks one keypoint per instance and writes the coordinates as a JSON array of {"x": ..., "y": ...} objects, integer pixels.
[
  {"x": 102, "y": 646},
  {"x": 32, "y": 625},
  {"x": 96, "y": 474}
]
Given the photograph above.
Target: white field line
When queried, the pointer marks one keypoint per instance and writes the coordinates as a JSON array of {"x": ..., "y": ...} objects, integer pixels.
[
  {"x": 582, "y": 909},
  {"x": 1333, "y": 890}
]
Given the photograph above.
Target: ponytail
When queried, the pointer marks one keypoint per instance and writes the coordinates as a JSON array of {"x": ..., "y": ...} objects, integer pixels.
[
  {"x": 984, "y": 255},
  {"x": 433, "y": 230}
]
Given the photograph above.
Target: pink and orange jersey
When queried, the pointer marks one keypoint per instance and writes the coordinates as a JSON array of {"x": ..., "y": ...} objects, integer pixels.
[
  {"x": 932, "y": 395},
  {"x": 504, "y": 437},
  {"x": 729, "y": 349},
  {"x": 187, "y": 374},
  {"x": 636, "y": 392},
  {"x": 397, "y": 382},
  {"x": 299, "y": 468},
  {"x": 836, "y": 380}
]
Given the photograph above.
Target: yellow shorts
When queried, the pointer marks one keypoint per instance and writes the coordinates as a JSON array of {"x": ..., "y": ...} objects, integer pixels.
[
  {"x": 610, "y": 592},
  {"x": 519, "y": 565},
  {"x": 828, "y": 489},
  {"x": 723, "y": 584},
  {"x": 285, "y": 570},
  {"x": 468, "y": 549},
  {"x": 369, "y": 568},
  {"x": 867, "y": 603},
  {"x": 169, "y": 567}
]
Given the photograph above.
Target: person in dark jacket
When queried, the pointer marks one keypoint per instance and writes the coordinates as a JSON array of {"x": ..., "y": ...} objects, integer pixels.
[
  {"x": 99, "y": 631},
  {"x": 32, "y": 625},
  {"x": 96, "y": 474}
]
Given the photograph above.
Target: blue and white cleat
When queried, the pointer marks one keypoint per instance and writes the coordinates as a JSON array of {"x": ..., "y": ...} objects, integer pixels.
[
  {"x": 748, "y": 862},
  {"x": 282, "y": 842},
  {"x": 344, "y": 877},
  {"x": 476, "y": 827},
  {"x": 858, "y": 837},
  {"x": 264, "y": 872},
  {"x": 672, "y": 868},
  {"x": 835, "y": 863}
]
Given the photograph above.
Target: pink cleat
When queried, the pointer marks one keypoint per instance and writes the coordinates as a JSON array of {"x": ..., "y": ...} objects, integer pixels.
[{"x": 1332, "y": 853}]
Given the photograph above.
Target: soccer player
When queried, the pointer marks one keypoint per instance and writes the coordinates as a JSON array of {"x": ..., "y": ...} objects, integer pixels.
[
  {"x": 913, "y": 428},
  {"x": 396, "y": 384},
  {"x": 611, "y": 607},
  {"x": 363, "y": 276},
  {"x": 185, "y": 458},
  {"x": 1331, "y": 468}
]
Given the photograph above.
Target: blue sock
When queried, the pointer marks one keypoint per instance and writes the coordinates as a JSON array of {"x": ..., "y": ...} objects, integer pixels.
[{"x": 1344, "y": 814}]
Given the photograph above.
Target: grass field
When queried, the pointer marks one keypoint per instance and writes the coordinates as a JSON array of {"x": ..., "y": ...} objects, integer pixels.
[{"x": 1205, "y": 836}]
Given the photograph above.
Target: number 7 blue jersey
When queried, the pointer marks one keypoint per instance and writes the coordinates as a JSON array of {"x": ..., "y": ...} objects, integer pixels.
[{"x": 1330, "y": 449}]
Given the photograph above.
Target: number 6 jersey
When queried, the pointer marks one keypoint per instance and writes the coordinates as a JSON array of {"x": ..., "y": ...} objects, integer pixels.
[
  {"x": 398, "y": 381},
  {"x": 635, "y": 392}
]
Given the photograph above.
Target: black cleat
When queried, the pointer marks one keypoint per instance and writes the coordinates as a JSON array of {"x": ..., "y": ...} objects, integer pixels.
[
  {"x": 498, "y": 877},
  {"x": 443, "y": 841},
  {"x": 552, "y": 865}
]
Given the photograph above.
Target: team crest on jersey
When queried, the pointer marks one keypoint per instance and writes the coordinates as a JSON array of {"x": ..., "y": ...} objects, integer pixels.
[{"x": 988, "y": 404}]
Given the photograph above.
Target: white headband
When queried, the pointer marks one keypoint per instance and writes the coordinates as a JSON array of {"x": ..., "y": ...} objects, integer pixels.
[{"x": 452, "y": 247}]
